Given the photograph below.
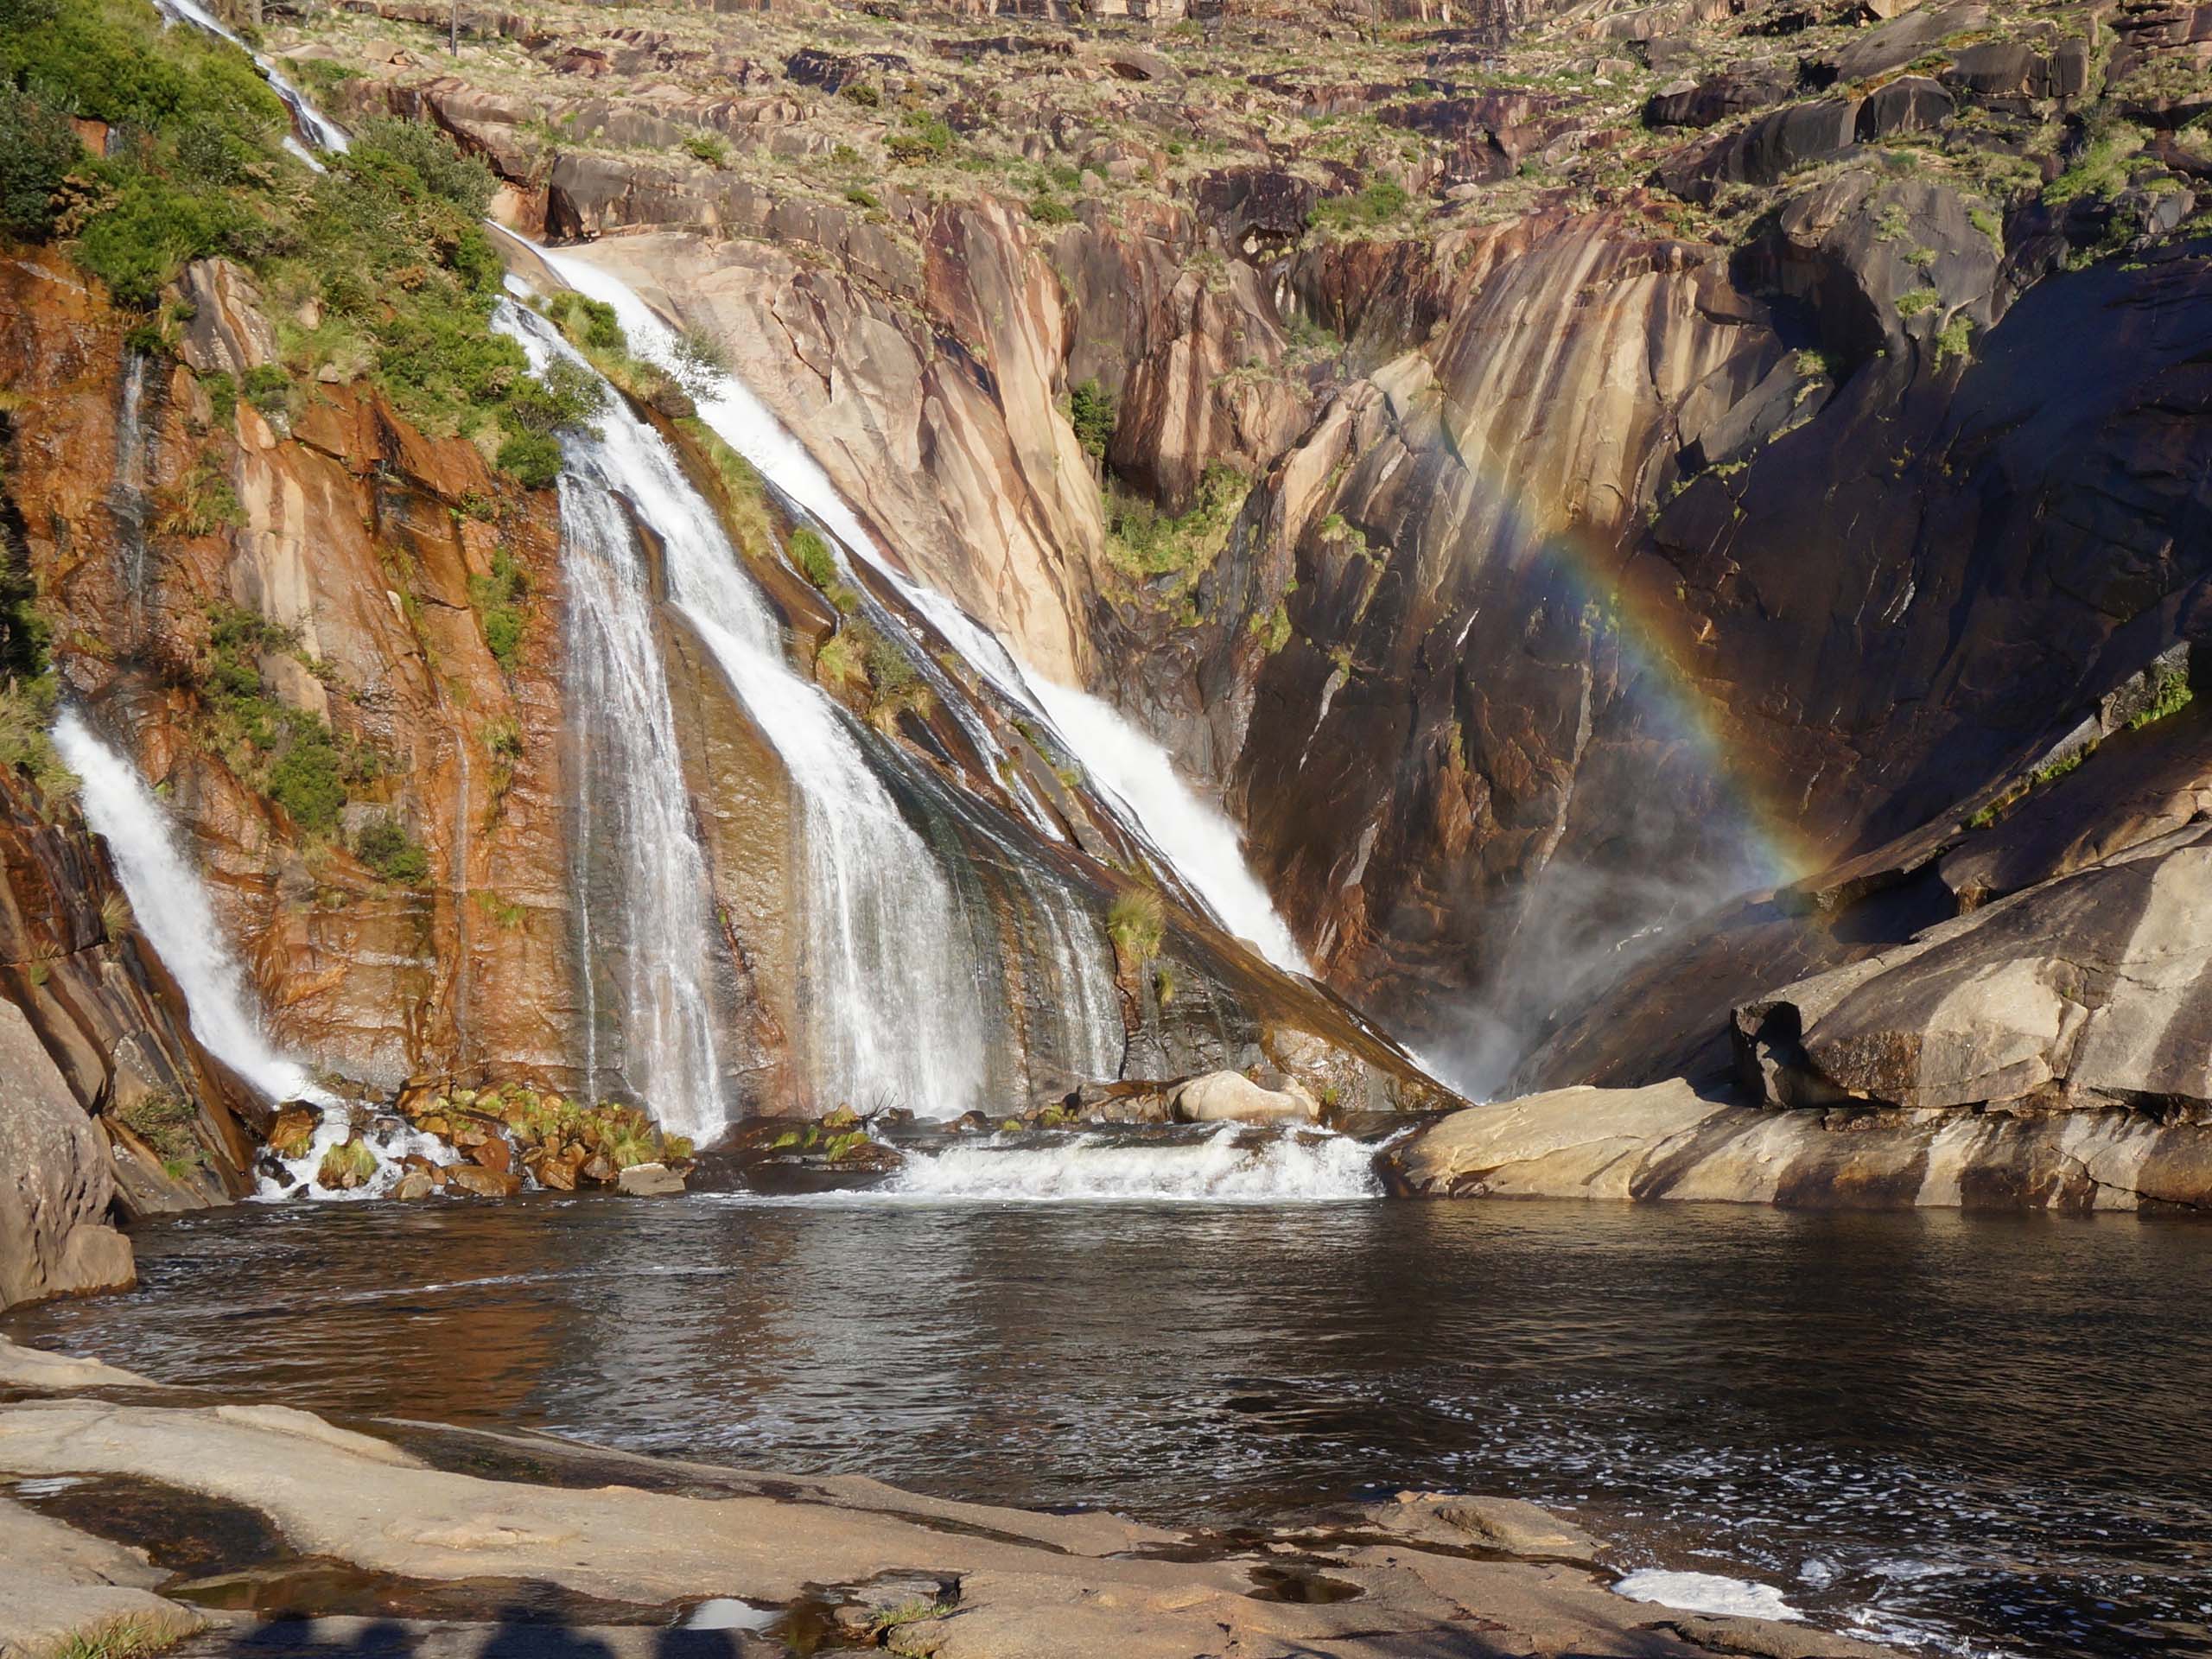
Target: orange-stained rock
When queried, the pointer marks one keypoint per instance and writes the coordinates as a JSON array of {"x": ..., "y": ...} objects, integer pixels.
[{"x": 483, "y": 1183}]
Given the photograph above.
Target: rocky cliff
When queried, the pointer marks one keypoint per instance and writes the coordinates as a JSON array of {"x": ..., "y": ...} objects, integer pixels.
[{"x": 1651, "y": 457}]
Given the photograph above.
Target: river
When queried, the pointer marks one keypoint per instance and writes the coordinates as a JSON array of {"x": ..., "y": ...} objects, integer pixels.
[{"x": 1972, "y": 1434}]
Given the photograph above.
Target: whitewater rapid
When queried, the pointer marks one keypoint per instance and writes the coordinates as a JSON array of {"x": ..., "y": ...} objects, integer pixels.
[{"x": 1230, "y": 1163}]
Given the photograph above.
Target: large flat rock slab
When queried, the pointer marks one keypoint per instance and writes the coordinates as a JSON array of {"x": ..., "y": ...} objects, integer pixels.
[
  {"x": 1016, "y": 1584},
  {"x": 1670, "y": 1142}
]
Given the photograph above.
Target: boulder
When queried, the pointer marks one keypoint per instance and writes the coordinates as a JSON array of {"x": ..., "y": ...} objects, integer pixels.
[
  {"x": 56, "y": 1184},
  {"x": 1736, "y": 91},
  {"x": 1230, "y": 1096},
  {"x": 649, "y": 1181},
  {"x": 2085, "y": 989},
  {"x": 1893, "y": 45},
  {"x": 478, "y": 1182},
  {"x": 415, "y": 1184}
]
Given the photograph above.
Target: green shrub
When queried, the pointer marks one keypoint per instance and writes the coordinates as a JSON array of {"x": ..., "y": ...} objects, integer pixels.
[
  {"x": 1051, "y": 210},
  {"x": 895, "y": 685},
  {"x": 499, "y": 599},
  {"x": 1911, "y": 304},
  {"x": 386, "y": 847},
  {"x": 862, "y": 198},
  {"x": 1146, "y": 542},
  {"x": 1380, "y": 202},
  {"x": 811, "y": 555},
  {"x": 708, "y": 148},
  {"x": 166, "y": 1122},
  {"x": 268, "y": 388},
  {"x": 590, "y": 324},
  {"x": 222, "y": 398},
  {"x": 308, "y": 781},
  {"x": 26, "y": 717},
  {"x": 924, "y": 137},
  {"x": 1091, "y": 412},
  {"x": 37, "y": 149},
  {"x": 532, "y": 459},
  {"x": 2172, "y": 697}
]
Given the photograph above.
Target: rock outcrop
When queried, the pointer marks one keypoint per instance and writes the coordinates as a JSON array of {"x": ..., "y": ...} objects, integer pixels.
[
  {"x": 1670, "y": 1142},
  {"x": 55, "y": 1187}
]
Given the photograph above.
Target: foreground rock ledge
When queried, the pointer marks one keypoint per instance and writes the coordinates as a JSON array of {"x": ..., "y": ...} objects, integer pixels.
[{"x": 1021, "y": 1585}]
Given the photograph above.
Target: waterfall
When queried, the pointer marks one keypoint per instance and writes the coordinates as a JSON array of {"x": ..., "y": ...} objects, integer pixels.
[
  {"x": 1199, "y": 842},
  {"x": 324, "y": 132},
  {"x": 170, "y": 903},
  {"x": 637, "y": 852},
  {"x": 888, "y": 979},
  {"x": 126, "y": 495},
  {"x": 1196, "y": 841}
]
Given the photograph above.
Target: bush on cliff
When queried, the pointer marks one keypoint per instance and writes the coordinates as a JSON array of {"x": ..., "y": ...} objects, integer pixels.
[
  {"x": 37, "y": 149},
  {"x": 386, "y": 847}
]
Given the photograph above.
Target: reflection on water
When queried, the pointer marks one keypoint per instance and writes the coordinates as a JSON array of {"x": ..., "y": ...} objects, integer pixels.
[{"x": 1986, "y": 1434}]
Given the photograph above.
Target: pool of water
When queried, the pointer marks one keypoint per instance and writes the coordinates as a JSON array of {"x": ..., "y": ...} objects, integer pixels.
[{"x": 1974, "y": 1435}]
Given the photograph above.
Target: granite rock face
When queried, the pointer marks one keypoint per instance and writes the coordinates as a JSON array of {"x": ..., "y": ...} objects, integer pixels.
[
  {"x": 55, "y": 1188},
  {"x": 1668, "y": 1142}
]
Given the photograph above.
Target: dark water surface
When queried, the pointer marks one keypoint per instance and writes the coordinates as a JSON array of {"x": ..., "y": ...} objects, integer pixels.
[{"x": 1982, "y": 1435}]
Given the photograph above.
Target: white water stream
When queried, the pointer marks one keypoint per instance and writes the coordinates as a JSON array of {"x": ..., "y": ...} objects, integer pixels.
[
  {"x": 651, "y": 949},
  {"x": 1197, "y": 840},
  {"x": 891, "y": 985},
  {"x": 170, "y": 903},
  {"x": 895, "y": 993}
]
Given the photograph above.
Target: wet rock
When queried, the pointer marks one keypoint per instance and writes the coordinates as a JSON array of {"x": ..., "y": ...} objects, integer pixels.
[
  {"x": 64, "y": 1589},
  {"x": 1221, "y": 1097},
  {"x": 971, "y": 1123},
  {"x": 415, "y": 1184},
  {"x": 493, "y": 1152},
  {"x": 293, "y": 1127},
  {"x": 481, "y": 1183},
  {"x": 649, "y": 1180}
]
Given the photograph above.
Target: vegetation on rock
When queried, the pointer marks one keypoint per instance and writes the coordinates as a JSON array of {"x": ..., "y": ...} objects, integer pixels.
[{"x": 1137, "y": 924}]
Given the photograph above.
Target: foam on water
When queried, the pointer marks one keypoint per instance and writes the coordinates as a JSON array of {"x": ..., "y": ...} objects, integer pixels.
[
  {"x": 1707, "y": 1592},
  {"x": 1228, "y": 1165}
]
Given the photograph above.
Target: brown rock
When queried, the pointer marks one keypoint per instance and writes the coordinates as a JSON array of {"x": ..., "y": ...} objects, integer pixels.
[
  {"x": 482, "y": 1183},
  {"x": 493, "y": 1154}
]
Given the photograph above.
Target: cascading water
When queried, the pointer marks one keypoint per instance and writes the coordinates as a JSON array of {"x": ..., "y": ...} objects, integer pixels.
[
  {"x": 892, "y": 986},
  {"x": 322, "y": 132},
  {"x": 900, "y": 1002},
  {"x": 1196, "y": 841},
  {"x": 1228, "y": 1164},
  {"x": 126, "y": 495},
  {"x": 172, "y": 908},
  {"x": 646, "y": 908}
]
